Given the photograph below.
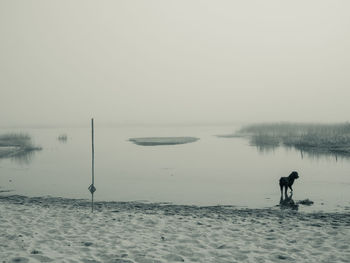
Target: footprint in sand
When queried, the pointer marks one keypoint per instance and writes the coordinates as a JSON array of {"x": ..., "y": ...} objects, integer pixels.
[
  {"x": 173, "y": 258},
  {"x": 19, "y": 260},
  {"x": 42, "y": 258}
]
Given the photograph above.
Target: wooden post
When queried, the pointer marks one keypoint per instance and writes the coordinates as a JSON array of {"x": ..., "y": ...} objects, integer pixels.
[
  {"x": 92, "y": 188},
  {"x": 93, "y": 150},
  {"x": 93, "y": 164}
]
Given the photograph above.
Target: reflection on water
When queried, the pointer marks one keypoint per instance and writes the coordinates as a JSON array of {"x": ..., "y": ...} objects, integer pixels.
[
  {"x": 266, "y": 148},
  {"x": 314, "y": 154},
  {"x": 287, "y": 202},
  {"x": 212, "y": 171},
  {"x": 264, "y": 143},
  {"x": 17, "y": 146},
  {"x": 23, "y": 158},
  {"x": 311, "y": 153},
  {"x": 62, "y": 138}
]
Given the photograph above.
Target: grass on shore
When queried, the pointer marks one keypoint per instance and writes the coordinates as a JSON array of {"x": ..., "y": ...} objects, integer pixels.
[
  {"x": 14, "y": 144},
  {"x": 309, "y": 137}
]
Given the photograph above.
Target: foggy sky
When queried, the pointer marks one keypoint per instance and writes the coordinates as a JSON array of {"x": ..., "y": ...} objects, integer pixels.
[{"x": 174, "y": 61}]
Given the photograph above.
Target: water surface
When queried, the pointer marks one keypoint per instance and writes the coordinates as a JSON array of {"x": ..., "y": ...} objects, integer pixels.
[{"x": 210, "y": 171}]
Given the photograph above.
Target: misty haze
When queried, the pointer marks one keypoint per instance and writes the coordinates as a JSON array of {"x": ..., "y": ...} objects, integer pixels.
[{"x": 174, "y": 131}]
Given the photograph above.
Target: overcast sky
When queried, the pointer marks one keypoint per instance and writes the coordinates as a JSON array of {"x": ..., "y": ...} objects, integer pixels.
[{"x": 174, "y": 61}]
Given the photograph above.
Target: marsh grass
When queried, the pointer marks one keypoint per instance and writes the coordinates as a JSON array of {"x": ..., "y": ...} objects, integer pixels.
[
  {"x": 62, "y": 137},
  {"x": 16, "y": 145},
  {"x": 313, "y": 138}
]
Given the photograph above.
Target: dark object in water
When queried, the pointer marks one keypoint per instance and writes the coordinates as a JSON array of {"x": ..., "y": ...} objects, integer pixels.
[
  {"x": 62, "y": 137},
  {"x": 306, "y": 202},
  {"x": 286, "y": 182}
]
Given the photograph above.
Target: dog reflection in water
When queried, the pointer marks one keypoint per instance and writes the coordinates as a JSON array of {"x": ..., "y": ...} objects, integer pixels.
[{"x": 288, "y": 203}]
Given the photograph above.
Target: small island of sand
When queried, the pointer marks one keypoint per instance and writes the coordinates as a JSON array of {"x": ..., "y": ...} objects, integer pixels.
[{"x": 154, "y": 141}]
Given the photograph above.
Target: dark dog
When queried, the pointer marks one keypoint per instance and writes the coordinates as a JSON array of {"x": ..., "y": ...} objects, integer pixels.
[{"x": 288, "y": 182}]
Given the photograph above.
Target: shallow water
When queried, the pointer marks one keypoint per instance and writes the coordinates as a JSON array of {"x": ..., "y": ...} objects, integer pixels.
[{"x": 211, "y": 171}]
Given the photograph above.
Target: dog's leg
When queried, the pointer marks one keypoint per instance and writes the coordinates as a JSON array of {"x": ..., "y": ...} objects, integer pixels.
[
  {"x": 285, "y": 191},
  {"x": 281, "y": 186},
  {"x": 291, "y": 189}
]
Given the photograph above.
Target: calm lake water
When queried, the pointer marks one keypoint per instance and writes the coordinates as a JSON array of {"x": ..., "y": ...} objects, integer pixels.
[{"x": 211, "y": 171}]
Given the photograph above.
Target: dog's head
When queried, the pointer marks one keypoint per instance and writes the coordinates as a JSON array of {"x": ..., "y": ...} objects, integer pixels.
[{"x": 294, "y": 175}]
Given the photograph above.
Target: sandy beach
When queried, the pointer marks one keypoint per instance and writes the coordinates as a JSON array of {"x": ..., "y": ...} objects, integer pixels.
[
  {"x": 65, "y": 230},
  {"x": 206, "y": 131}
]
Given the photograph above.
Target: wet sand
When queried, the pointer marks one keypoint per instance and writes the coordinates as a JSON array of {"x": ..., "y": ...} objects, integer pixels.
[{"x": 65, "y": 230}]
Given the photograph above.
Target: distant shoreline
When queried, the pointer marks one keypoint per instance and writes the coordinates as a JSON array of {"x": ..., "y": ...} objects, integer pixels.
[{"x": 331, "y": 139}]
